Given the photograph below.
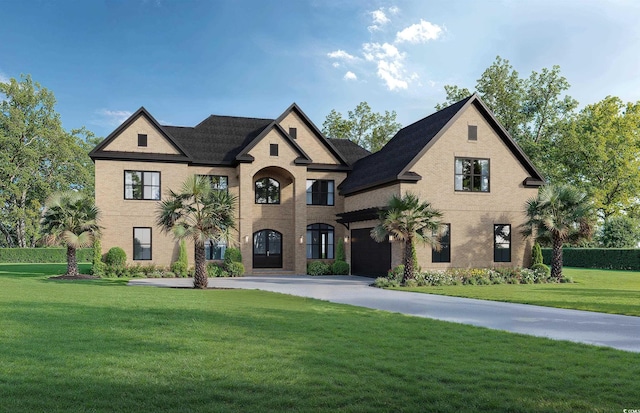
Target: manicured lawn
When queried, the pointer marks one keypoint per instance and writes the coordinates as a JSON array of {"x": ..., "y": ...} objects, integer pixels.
[
  {"x": 605, "y": 291},
  {"x": 100, "y": 346}
]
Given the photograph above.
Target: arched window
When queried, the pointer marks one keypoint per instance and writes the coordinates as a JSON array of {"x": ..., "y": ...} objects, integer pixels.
[
  {"x": 267, "y": 191},
  {"x": 320, "y": 241}
]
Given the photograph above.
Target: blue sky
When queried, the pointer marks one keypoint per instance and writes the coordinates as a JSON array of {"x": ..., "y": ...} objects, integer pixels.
[{"x": 185, "y": 60}]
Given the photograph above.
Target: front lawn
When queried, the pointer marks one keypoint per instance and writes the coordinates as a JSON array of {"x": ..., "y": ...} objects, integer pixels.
[
  {"x": 100, "y": 346},
  {"x": 605, "y": 291}
]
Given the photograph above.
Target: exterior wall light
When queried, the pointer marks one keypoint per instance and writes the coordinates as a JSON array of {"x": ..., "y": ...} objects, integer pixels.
[
  {"x": 301, "y": 239},
  {"x": 390, "y": 238},
  {"x": 246, "y": 239},
  {"x": 346, "y": 239}
]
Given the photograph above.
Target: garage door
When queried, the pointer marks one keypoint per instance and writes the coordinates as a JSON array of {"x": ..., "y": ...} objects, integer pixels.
[{"x": 369, "y": 258}]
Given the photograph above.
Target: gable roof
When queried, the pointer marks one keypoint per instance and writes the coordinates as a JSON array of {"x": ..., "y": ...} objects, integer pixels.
[
  {"x": 99, "y": 153},
  {"x": 224, "y": 140},
  {"x": 352, "y": 152},
  {"x": 393, "y": 162}
]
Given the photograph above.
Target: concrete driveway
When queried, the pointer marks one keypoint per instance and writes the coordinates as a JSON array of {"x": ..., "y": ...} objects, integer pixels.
[{"x": 617, "y": 331}]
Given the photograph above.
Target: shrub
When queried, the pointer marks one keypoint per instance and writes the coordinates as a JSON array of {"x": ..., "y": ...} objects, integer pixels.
[
  {"x": 396, "y": 273},
  {"x": 43, "y": 255},
  {"x": 340, "y": 256},
  {"x": 318, "y": 268},
  {"x": 235, "y": 269},
  {"x": 536, "y": 255},
  {"x": 181, "y": 266},
  {"x": 543, "y": 269},
  {"x": 232, "y": 255},
  {"x": 116, "y": 257},
  {"x": 340, "y": 267},
  {"x": 215, "y": 270},
  {"x": 99, "y": 267},
  {"x": 383, "y": 282}
]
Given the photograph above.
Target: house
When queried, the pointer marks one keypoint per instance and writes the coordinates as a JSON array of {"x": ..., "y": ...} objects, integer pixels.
[{"x": 299, "y": 192}]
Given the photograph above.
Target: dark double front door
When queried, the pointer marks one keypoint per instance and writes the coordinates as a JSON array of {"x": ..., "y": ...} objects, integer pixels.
[{"x": 267, "y": 249}]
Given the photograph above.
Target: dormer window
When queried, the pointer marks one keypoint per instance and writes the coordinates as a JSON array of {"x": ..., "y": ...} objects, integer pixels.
[{"x": 142, "y": 140}]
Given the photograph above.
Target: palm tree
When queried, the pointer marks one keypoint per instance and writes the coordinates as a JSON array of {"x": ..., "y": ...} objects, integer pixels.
[
  {"x": 71, "y": 218},
  {"x": 201, "y": 213},
  {"x": 408, "y": 219},
  {"x": 559, "y": 214}
]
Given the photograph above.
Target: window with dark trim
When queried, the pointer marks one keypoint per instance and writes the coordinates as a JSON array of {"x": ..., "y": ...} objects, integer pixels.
[
  {"x": 267, "y": 191},
  {"x": 320, "y": 192},
  {"x": 142, "y": 243},
  {"x": 293, "y": 132},
  {"x": 444, "y": 255},
  {"x": 320, "y": 241},
  {"x": 142, "y": 139},
  {"x": 142, "y": 185},
  {"x": 502, "y": 243},
  {"x": 273, "y": 149},
  {"x": 472, "y": 132},
  {"x": 214, "y": 250},
  {"x": 218, "y": 182},
  {"x": 472, "y": 175}
]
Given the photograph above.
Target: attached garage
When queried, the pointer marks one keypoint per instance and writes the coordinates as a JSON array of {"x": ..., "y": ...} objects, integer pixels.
[{"x": 368, "y": 257}]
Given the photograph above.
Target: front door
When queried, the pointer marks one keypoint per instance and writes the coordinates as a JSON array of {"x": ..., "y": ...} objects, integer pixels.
[{"x": 267, "y": 249}]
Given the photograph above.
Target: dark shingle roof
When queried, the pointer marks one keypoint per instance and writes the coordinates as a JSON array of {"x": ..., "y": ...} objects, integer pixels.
[
  {"x": 352, "y": 152},
  {"x": 385, "y": 165},
  {"x": 218, "y": 139}
]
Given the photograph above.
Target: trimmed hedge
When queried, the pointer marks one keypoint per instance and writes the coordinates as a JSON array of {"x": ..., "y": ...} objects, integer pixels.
[
  {"x": 604, "y": 258},
  {"x": 42, "y": 255}
]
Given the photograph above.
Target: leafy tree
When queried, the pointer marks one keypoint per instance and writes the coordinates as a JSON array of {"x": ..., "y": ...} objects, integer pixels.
[
  {"x": 71, "y": 218},
  {"x": 408, "y": 219},
  {"x": 600, "y": 151},
  {"x": 559, "y": 214},
  {"x": 620, "y": 232},
  {"x": 200, "y": 213},
  {"x": 531, "y": 109},
  {"x": 37, "y": 158},
  {"x": 362, "y": 126}
]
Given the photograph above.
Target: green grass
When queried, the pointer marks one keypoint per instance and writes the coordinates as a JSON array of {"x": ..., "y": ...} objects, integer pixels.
[
  {"x": 605, "y": 291},
  {"x": 100, "y": 346}
]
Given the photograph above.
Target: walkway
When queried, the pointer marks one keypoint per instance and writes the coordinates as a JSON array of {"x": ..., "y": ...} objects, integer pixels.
[{"x": 617, "y": 331}]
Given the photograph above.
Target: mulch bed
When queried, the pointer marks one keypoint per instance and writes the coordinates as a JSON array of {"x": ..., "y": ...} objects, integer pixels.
[{"x": 75, "y": 277}]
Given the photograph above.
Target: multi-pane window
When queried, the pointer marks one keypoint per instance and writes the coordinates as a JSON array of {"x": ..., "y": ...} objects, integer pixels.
[
  {"x": 320, "y": 241},
  {"x": 218, "y": 182},
  {"x": 141, "y": 185},
  {"x": 444, "y": 254},
  {"x": 502, "y": 243},
  {"x": 142, "y": 243},
  {"x": 472, "y": 175},
  {"x": 214, "y": 250},
  {"x": 320, "y": 192},
  {"x": 267, "y": 191}
]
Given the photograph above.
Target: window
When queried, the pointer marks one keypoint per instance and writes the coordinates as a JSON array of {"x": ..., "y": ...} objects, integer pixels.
[
  {"x": 141, "y": 185},
  {"x": 218, "y": 182},
  {"x": 142, "y": 243},
  {"x": 142, "y": 140},
  {"x": 267, "y": 191},
  {"x": 273, "y": 149},
  {"x": 444, "y": 255},
  {"x": 319, "y": 192},
  {"x": 293, "y": 132},
  {"x": 473, "y": 132},
  {"x": 472, "y": 175},
  {"x": 214, "y": 250},
  {"x": 502, "y": 243},
  {"x": 320, "y": 241}
]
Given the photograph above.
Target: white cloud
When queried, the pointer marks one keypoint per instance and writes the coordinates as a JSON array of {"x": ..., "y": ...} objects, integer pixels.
[
  {"x": 341, "y": 54},
  {"x": 350, "y": 76},
  {"x": 419, "y": 33},
  {"x": 336, "y": 64},
  {"x": 379, "y": 19},
  {"x": 373, "y": 51},
  {"x": 390, "y": 64},
  {"x": 394, "y": 10},
  {"x": 392, "y": 74},
  {"x": 112, "y": 117}
]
